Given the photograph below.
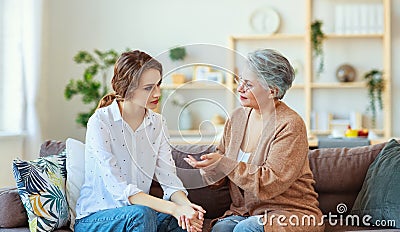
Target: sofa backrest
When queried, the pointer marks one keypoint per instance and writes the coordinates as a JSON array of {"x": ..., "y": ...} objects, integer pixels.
[{"x": 339, "y": 174}]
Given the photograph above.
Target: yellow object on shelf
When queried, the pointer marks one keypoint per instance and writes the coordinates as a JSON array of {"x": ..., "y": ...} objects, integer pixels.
[
  {"x": 178, "y": 78},
  {"x": 350, "y": 133}
]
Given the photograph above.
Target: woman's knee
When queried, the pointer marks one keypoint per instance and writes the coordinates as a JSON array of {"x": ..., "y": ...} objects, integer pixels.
[
  {"x": 224, "y": 225},
  {"x": 127, "y": 218},
  {"x": 141, "y": 218},
  {"x": 141, "y": 211},
  {"x": 250, "y": 224}
]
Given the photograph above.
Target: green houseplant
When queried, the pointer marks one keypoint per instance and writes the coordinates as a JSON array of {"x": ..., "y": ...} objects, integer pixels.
[
  {"x": 90, "y": 87},
  {"x": 375, "y": 85},
  {"x": 178, "y": 54},
  {"x": 317, "y": 38}
]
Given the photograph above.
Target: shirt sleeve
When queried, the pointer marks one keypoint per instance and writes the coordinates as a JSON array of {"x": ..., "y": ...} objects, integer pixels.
[
  {"x": 98, "y": 145},
  {"x": 165, "y": 171}
]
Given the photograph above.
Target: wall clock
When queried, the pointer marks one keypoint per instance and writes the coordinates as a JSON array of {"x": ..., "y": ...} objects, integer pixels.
[{"x": 265, "y": 20}]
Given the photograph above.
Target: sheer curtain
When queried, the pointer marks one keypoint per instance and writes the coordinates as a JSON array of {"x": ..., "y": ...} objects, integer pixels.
[
  {"x": 31, "y": 62},
  {"x": 20, "y": 61}
]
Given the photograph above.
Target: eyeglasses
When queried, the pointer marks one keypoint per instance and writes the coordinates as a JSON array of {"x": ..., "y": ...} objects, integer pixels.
[{"x": 243, "y": 83}]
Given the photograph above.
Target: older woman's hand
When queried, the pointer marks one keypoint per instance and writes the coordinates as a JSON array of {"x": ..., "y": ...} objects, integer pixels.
[{"x": 206, "y": 160}]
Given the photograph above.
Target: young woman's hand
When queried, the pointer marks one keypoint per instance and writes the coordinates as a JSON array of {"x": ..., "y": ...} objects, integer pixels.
[
  {"x": 188, "y": 218},
  {"x": 206, "y": 160},
  {"x": 199, "y": 209}
]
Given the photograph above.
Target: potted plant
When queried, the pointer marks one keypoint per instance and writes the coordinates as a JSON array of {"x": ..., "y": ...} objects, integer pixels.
[
  {"x": 317, "y": 38},
  {"x": 178, "y": 54},
  {"x": 376, "y": 85},
  {"x": 91, "y": 89}
]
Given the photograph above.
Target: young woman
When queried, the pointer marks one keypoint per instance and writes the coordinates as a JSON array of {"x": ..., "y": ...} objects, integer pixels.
[
  {"x": 126, "y": 147},
  {"x": 264, "y": 155}
]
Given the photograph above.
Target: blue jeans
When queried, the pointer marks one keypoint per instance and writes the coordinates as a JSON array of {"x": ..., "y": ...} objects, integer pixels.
[
  {"x": 238, "y": 224},
  {"x": 128, "y": 218}
]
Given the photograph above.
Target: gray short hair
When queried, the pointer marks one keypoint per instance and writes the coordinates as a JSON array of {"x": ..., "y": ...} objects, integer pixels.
[{"x": 273, "y": 70}]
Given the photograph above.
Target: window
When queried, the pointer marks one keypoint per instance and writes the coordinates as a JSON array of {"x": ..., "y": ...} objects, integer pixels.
[{"x": 11, "y": 67}]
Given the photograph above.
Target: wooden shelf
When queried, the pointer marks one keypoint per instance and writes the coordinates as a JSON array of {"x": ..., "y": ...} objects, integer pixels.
[
  {"x": 191, "y": 133},
  {"x": 308, "y": 86},
  {"x": 294, "y": 86},
  {"x": 354, "y": 36},
  {"x": 195, "y": 85},
  {"x": 297, "y": 86},
  {"x": 265, "y": 37},
  {"x": 338, "y": 85}
]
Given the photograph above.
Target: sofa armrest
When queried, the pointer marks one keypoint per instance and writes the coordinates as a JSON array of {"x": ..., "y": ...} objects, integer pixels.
[{"x": 12, "y": 211}]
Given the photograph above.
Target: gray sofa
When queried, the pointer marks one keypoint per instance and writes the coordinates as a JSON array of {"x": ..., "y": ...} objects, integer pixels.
[{"x": 339, "y": 174}]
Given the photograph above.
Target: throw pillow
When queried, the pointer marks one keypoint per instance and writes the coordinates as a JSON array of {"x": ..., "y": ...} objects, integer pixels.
[
  {"x": 75, "y": 174},
  {"x": 379, "y": 195},
  {"x": 41, "y": 186},
  {"x": 51, "y": 147}
]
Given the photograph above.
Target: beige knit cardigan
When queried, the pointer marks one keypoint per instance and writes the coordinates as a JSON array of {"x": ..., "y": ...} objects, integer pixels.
[{"x": 277, "y": 175}]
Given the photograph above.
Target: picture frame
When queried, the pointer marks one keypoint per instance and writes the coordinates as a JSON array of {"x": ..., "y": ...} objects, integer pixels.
[
  {"x": 215, "y": 77},
  {"x": 200, "y": 72}
]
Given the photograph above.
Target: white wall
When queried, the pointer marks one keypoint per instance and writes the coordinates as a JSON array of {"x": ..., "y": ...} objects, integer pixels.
[
  {"x": 11, "y": 148},
  {"x": 152, "y": 26}
]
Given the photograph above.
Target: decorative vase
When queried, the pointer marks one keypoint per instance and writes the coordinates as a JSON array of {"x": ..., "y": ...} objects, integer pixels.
[
  {"x": 185, "y": 120},
  {"x": 346, "y": 73}
]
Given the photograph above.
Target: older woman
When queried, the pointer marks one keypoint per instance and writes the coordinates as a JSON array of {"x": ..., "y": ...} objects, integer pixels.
[{"x": 263, "y": 155}]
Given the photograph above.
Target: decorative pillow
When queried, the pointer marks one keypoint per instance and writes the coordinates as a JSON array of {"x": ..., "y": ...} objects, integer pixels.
[
  {"x": 379, "y": 195},
  {"x": 41, "y": 186},
  {"x": 75, "y": 174},
  {"x": 51, "y": 147}
]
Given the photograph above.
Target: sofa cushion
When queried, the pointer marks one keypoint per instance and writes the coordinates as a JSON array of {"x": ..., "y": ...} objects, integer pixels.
[
  {"x": 199, "y": 192},
  {"x": 379, "y": 196},
  {"x": 41, "y": 186},
  {"x": 12, "y": 212},
  {"x": 340, "y": 172},
  {"x": 75, "y": 174}
]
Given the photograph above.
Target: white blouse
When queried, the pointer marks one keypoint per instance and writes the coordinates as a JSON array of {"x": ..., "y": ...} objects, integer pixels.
[{"x": 120, "y": 162}]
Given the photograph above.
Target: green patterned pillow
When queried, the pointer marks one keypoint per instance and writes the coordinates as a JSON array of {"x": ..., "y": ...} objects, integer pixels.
[{"x": 41, "y": 186}]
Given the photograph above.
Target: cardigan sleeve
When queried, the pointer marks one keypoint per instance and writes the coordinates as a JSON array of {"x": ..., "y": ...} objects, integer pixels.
[
  {"x": 282, "y": 167},
  {"x": 221, "y": 146},
  {"x": 209, "y": 174}
]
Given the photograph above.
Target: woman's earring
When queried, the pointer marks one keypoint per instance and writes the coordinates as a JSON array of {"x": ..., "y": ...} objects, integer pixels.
[{"x": 271, "y": 95}]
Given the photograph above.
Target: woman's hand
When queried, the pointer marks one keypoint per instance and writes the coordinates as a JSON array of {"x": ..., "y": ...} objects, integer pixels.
[
  {"x": 206, "y": 160},
  {"x": 189, "y": 221},
  {"x": 199, "y": 209},
  {"x": 188, "y": 218}
]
